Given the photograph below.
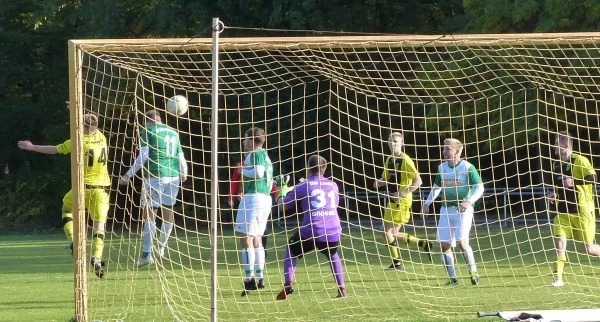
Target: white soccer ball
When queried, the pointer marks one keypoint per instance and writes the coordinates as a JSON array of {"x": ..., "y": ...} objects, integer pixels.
[{"x": 177, "y": 105}]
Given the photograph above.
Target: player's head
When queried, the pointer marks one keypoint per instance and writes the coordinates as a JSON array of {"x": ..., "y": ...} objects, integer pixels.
[
  {"x": 90, "y": 123},
  {"x": 396, "y": 141},
  {"x": 153, "y": 117},
  {"x": 563, "y": 146},
  {"x": 452, "y": 149},
  {"x": 254, "y": 138},
  {"x": 317, "y": 165}
]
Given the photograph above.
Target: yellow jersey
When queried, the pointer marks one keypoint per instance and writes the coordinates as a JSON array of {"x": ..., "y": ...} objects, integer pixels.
[
  {"x": 580, "y": 199},
  {"x": 96, "y": 151},
  {"x": 399, "y": 172}
]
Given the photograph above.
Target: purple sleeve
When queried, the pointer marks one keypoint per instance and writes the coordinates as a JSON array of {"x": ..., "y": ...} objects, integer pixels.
[{"x": 297, "y": 193}]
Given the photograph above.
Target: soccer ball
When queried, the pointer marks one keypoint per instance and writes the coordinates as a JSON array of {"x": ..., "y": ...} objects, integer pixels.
[{"x": 177, "y": 105}]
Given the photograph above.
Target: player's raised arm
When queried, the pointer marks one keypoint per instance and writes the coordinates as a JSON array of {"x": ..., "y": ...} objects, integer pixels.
[
  {"x": 137, "y": 165},
  {"x": 45, "y": 149}
]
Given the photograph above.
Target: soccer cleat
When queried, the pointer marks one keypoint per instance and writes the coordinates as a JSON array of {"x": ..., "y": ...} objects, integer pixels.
[
  {"x": 260, "y": 283},
  {"x": 428, "y": 248},
  {"x": 287, "y": 290},
  {"x": 341, "y": 292},
  {"x": 249, "y": 285},
  {"x": 557, "y": 283},
  {"x": 452, "y": 281},
  {"x": 144, "y": 262},
  {"x": 474, "y": 278},
  {"x": 98, "y": 266},
  {"x": 395, "y": 267}
]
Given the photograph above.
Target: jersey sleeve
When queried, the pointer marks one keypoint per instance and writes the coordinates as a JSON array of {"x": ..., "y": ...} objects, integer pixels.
[
  {"x": 64, "y": 147},
  {"x": 438, "y": 178},
  {"x": 585, "y": 167},
  {"x": 410, "y": 169},
  {"x": 297, "y": 193},
  {"x": 473, "y": 175},
  {"x": 258, "y": 158},
  {"x": 144, "y": 138}
]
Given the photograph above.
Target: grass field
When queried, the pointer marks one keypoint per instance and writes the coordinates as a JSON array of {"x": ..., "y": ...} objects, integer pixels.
[{"x": 36, "y": 282}]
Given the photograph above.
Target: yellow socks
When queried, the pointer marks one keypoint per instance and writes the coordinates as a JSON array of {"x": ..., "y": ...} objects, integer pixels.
[
  {"x": 560, "y": 265},
  {"x": 67, "y": 219}
]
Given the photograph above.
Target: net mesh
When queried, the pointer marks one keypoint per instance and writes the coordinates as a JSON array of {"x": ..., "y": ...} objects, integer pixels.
[{"x": 504, "y": 98}]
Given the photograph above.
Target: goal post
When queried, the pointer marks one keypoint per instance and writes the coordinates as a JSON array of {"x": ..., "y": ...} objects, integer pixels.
[{"x": 505, "y": 97}]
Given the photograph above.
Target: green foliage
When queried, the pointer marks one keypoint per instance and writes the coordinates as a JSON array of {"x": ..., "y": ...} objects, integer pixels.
[{"x": 33, "y": 85}]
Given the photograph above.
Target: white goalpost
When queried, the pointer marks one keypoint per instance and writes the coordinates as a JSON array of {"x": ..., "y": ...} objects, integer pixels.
[{"x": 506, "y": 97}]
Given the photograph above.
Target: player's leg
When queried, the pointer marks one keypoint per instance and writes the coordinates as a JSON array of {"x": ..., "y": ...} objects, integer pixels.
[
  {"x": 168, "y": 199},
  {"x": 97, "y": 203},
  {"x": 67, "y": 217},
  {"x": 585, "y": 231},
  {"x": 403, "y": 217},
  {"x": 561, "y": 229},
  {"x": 262, "y": 219},
  {"x": 246, "y": 228},
  {"x": 329, "y": 249},
  {"x": 295, "y": 249},
  {"x": 462, "y": 238},
  {"x": 390, "y": 232},
  {"x": 445, "y": 236},
  {"x": 150, "y": 206}
]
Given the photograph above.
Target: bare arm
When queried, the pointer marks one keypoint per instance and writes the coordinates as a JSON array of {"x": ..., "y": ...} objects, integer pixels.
[
  {"x": 45, "y": 149},
  {"x": 416, "y": 183}
]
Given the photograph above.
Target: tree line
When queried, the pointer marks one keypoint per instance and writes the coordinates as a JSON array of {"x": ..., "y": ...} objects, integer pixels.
[{"x": 33, "y": 59}]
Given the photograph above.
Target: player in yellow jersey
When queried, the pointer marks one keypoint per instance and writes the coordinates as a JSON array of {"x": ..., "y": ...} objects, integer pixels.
[
  {"x": 97, "y": 183},
  {"x": 402, "y": 178},
  {"x": 573, "y": 181}
]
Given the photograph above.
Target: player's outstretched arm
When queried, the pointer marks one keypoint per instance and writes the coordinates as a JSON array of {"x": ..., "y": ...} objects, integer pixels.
[
  {"x": 45, "y": 149},
  {"x": 137, "y": 165}
]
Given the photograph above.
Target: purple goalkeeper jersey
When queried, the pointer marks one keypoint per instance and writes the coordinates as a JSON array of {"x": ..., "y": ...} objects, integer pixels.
[{"x": 319, "y": 198}]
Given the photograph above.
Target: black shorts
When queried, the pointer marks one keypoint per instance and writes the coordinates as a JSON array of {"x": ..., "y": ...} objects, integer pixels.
[{"x": 300, "y": 247}]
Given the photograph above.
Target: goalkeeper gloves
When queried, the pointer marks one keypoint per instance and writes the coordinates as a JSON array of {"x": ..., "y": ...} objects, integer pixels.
[{"x": 282, "y": 184}]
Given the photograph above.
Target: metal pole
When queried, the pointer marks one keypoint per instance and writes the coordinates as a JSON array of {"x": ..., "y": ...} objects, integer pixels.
[
  {"x": 77, "y": 183},
  {"x": 505, "y": 223},
  {"x": 214, "y": 198}
]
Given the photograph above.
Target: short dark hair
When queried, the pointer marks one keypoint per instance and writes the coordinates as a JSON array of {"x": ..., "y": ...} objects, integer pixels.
[
  {"x": 563, "y": 137},
  {"x": 153, "y": 116},
  {"x": 257, "y": 134},
  {"x": 317, "y": 165},
  {"x": 90, "y": 121}
]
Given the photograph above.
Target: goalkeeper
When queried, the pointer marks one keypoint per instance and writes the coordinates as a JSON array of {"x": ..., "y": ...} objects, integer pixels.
[{"x": 97, "y": 183}]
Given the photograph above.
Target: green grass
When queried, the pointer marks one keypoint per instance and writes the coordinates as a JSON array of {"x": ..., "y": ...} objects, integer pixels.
[{"x": 36, "y": 280}]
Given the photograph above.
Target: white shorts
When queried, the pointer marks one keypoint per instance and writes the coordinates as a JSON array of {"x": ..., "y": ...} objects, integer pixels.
[
  {"x": 161, "y": 191},
  {"x": 453, "y": 226},
  {"x": 253, "y": 214}
]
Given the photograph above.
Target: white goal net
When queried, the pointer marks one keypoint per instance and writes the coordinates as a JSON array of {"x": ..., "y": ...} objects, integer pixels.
[{"x": 504, "y": 96}]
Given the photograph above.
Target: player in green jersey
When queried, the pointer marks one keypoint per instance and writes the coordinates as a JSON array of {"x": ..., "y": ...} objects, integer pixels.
[
  {"x": 166, "y": 169},
  {"x": 254, "y": 208}
]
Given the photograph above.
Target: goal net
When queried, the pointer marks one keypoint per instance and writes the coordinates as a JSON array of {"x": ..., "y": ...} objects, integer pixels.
[{"x": 504, "y": 96}]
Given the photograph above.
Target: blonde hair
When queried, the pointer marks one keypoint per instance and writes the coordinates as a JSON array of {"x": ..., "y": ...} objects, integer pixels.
[
  {"x": 454, "y": 143},
  {"x": 394, "y": 135}
]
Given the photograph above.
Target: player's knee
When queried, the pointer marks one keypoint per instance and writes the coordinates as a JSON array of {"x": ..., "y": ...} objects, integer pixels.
[
  {"x": 463, "y": 245},
  {"x": 445, "y": 246}
]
